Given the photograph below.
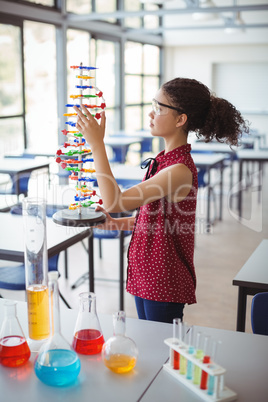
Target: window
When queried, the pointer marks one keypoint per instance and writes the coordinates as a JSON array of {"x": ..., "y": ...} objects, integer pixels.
[
  {"x": 32, "y": 87},
  {"x": 11, "y": 90},
  {"x": 40, "y": 85},
  {"x": 142, "y": 78}
]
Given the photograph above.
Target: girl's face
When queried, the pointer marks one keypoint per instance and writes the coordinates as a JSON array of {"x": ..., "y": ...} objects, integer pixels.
[{"x": 162, "y": 119}]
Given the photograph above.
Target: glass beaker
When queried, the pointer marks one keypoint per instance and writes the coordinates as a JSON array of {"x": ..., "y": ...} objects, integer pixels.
[
  {"x": 56, "y": 363},
  {"x": 36, "y": 267},
  {"x": 120, "y": 353},
  {"x": 14, "y": 349},
  {"x": 88, "y": 338}
]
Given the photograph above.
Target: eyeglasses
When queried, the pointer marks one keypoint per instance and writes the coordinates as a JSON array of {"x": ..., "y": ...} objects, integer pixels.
[{"x": 160, "y": 111}]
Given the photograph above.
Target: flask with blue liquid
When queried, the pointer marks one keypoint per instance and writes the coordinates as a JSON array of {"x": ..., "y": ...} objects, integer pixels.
[{"x": 56, "y": 364}]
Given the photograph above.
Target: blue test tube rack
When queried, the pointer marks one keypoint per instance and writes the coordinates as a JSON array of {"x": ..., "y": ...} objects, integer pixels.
[{"x": 221, "y": 392}]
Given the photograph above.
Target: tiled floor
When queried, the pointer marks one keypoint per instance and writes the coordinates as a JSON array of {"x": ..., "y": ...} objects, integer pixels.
[{"x": 218, "y": 257}]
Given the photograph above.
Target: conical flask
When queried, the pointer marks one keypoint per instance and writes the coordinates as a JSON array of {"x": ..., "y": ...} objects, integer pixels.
[
  {"x": 14, "y": 349},
  {"x": 120, "y": 353},
  {"x": 88, "y": 338},
  {"x": 36, "y": 269},
  {"x": 56, "y": 363}
]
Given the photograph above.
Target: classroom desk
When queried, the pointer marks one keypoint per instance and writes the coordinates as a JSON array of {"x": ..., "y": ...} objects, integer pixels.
[
  {"x": 120, "y": 145},
  {"x": 217, "y": 147},
  {"x": 7, "y": 201},
  {"x": 59, "y": 238},
  {"x": 249, "y": 155},
  {"x": 128, "y": 175},
  {"x": 244, "y": 356},
  {"x": 251, "y": 279},
  {"x": 17, "y": 167},
  {"x": 208, "y": 162}
]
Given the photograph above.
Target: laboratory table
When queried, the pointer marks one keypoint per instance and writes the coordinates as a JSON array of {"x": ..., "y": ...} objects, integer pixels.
[
  {"x": 216, "y": 147},
  {"x": 249, "y": 155},
  {"x": 251, "y": 279},
  {"x": 244, "y": 356},
  {"x": 17, "y": 167},
  {"x": 59, "y": 238},
  {"x": 120, "y": 145}
]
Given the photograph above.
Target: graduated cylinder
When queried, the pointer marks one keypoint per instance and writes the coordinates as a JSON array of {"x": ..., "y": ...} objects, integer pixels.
[{"x": 36, "y": 267}]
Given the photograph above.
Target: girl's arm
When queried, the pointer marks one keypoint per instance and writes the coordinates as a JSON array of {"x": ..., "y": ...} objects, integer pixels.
[{"x": 173, "y": 182}]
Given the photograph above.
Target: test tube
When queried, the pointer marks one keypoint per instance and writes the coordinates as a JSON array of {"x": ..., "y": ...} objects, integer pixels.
[
  {"x": 211, "y": 378},
  {"x": 190, "y": 337},
  {"x": 175, "y": 356},
  {"x": 198, "y": 355},
  {"x": 183, "y": 360},
  {"x": 206, "y": 359}
]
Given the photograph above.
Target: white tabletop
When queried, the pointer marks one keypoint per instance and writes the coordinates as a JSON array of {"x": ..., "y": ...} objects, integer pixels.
[
  {"x": 252, "y": 154},
  {"x": 207, "y": 160},
  {"x": 119, "y": 141},
  {"x": 15, "y": 165},
  {"x": 128, "y": 172},
  {"x": 96, "y": 382},
  {"x": 12, "y": 237},
  {"x": 213, "y": 147},
  {"x": 255, "y": 269},
  {"x": 244, "y": 356}
]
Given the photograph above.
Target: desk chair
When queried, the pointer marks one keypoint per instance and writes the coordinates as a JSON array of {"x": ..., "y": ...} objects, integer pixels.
[
  {"x": 259, "y": 314},
  {"x": 13, "y": 277},
  {"x": 110, "y": 235}
]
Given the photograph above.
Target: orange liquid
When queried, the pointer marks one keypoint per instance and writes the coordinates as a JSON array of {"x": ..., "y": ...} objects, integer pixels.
[
  {"x": 120, "y": 363},
  {"x": 38, "y": 312}
]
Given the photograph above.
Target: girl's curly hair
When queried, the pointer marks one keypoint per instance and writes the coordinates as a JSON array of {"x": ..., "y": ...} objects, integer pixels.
[{"x": 207, "y": 115}]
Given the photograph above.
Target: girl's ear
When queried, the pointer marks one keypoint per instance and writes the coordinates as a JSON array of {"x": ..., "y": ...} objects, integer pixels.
[{"x": 182, "y": 119}]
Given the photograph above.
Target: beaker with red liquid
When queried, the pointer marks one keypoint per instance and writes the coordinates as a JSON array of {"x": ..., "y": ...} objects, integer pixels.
[
  {"x": 14, "y": 349},
  {"x": 88, "y": 338}
]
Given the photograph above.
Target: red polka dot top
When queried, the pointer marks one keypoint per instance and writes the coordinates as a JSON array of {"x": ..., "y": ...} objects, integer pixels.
[{"x": 161, "y": 250}]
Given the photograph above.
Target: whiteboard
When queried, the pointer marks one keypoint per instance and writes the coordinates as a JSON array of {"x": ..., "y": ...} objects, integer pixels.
[{"x": 245, "y": 85}]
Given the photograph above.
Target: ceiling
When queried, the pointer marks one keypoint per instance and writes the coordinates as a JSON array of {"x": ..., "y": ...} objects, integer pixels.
[
  {"x": 180, "y": 28},
  {"x": 183, "y": 29}
]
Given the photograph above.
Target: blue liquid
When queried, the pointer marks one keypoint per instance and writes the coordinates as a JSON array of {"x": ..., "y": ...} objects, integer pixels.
[{"x": 58, "y": 367}]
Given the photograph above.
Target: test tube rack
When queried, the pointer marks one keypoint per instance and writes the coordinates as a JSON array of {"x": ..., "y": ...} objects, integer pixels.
[{"x": 221, "y": 392}]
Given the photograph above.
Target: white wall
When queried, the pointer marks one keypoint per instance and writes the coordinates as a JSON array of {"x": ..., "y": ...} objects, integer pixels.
[{"x": 197, "y": 62}]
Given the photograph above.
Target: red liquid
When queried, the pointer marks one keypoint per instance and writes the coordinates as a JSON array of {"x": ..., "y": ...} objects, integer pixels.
[
  {"x": 88, "y": 341},
  {"x": 176, "y": 360},
  {"x": 204, "y": 376},
  {"x": 14, "y": 351}
]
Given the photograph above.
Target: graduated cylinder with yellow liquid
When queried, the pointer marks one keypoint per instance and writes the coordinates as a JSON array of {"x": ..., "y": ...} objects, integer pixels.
[{"x": 36, "y": 270}]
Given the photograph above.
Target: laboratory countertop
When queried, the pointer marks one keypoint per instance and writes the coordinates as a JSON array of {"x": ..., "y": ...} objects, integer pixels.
[{"x": 244, "y": 356}]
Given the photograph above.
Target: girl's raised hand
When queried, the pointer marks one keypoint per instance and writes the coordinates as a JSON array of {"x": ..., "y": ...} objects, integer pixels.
[{"x": 89, "y": 127}]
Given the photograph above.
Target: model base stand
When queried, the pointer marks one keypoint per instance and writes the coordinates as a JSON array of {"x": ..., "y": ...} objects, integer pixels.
[
  {"x": 221, "y": 392},
  {"x": 87, "y": 217},
  {"x": 75, "y": 155}
]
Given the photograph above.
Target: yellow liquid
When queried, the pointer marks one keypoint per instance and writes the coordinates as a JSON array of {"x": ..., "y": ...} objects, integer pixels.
[
  {"x": 38, "y": 312},
  {"x": 120, "y": 363}
]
